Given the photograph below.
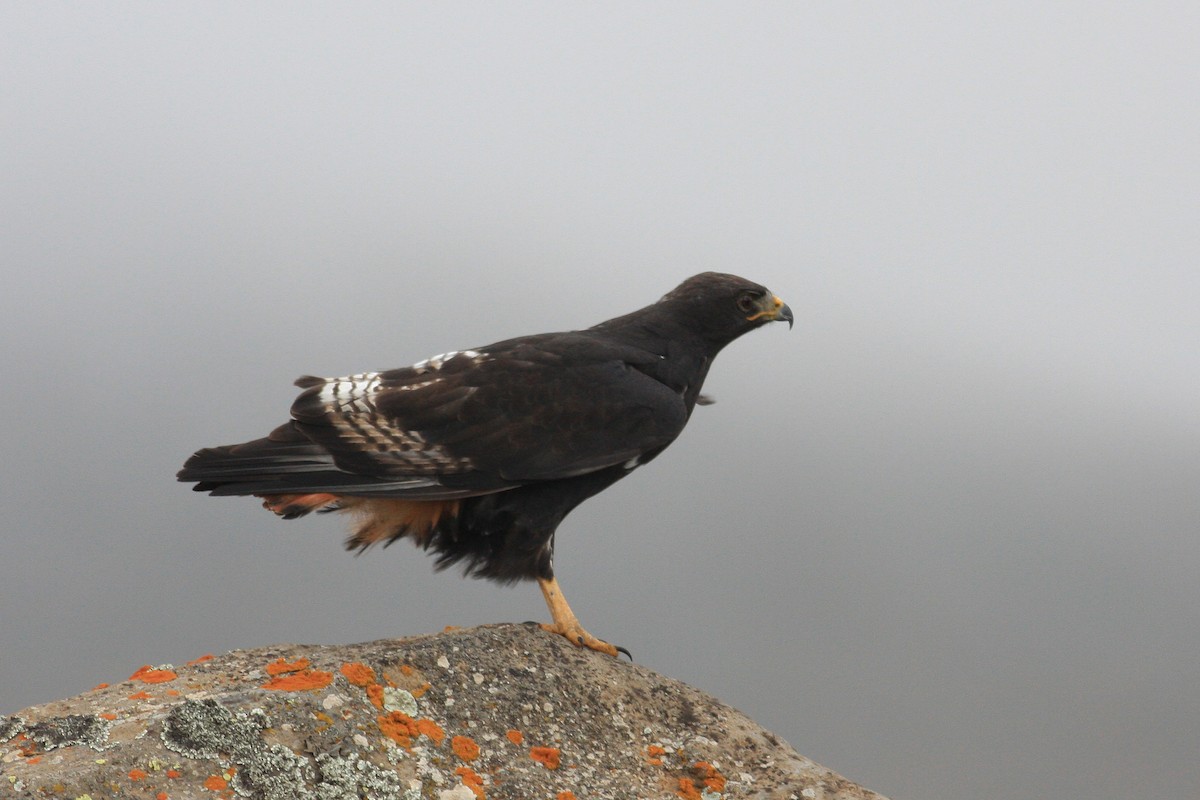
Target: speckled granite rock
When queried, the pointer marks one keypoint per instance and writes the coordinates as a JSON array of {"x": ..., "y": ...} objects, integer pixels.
[{"x": 500, "y": 712}]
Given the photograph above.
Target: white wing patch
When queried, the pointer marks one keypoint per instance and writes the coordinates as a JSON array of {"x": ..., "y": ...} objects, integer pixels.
[
  {"x": 436, "y": 362},
  {"x": 351, "y": 392},
  {"x": 352, "y": 410},
  {"x": 398, "y": 446}
]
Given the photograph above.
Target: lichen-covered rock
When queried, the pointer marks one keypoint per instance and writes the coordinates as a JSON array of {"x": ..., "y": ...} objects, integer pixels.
[{"x": 505, "y": 712}]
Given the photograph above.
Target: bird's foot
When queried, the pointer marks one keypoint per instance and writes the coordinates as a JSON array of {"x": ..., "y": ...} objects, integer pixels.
[
  {"x": 565, "y": 623},
  {"x": 576, "y": 635}
]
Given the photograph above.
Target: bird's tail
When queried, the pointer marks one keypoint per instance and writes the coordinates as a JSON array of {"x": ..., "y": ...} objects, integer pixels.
[{"x": 283, "y": 462}]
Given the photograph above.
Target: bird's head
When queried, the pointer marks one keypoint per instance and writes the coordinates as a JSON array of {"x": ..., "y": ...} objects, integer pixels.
[{"x": 723, "y": 307}]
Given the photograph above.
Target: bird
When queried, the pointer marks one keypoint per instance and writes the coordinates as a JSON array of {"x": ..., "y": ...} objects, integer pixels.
[{"x": 478, "y": 454}]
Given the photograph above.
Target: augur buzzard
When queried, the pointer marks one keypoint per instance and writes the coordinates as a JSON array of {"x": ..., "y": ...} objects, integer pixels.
[{"x": 479, "y": 454}]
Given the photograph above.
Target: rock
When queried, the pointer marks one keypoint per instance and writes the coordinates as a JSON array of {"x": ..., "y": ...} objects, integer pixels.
[{"x": 498, "y": 712}]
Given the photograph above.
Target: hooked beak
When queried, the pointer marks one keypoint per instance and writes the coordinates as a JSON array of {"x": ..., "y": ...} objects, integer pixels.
[{"x": 773, "y": 309}]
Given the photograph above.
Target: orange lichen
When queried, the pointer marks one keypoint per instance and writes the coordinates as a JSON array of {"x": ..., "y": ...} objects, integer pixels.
[
  {"x": 399, "y": 727},
  {"x": 215, "y": 783},
  {"x": 138, "y": 774},
  {"x": 420, "y": 690},
  {"x": 471, "y": 780},
  {"x": 431, "y": 729},
  {"x": 142, "y": 695},
  {"x": 173, "y": 773},
  {"x": 712, "y": 778},
  {"x": 654, "y": 755},
  {"x": 548, "y": 757},
  {"x": 161, "y": 796},
  {"x": 28, "y": 746},
  {"x": 148, "y": 674},
  {"x": 358, "y": 674},
  {"x": 109, "y": 716},
  {"x": 201, "y": 659},
  {"x": 99, "y": 686},
  {"x": 405, "y": 669},
  {"x": 33, "y": 759},
  {"x": 300, "y": 681},
  {"x": 281, "y": 667},
  {"x": 465, "y": 748},
  {"x": 515, "y": 736},
  {"x": 565, "y": 796},
  {"x": 375, "y": 695}
]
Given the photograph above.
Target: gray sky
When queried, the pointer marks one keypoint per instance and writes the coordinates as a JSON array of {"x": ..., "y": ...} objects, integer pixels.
[{"x": 942, "y": 536}]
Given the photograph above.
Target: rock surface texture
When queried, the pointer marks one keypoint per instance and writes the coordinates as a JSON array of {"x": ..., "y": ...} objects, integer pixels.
[{"x": 498, "y": 712}]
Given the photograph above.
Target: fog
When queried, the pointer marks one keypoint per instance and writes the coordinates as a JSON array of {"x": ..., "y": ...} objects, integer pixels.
[{"x": 941, "y": 536}]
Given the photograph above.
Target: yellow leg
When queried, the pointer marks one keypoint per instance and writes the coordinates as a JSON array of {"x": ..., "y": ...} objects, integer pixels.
[{"x": 565, "y": 623}]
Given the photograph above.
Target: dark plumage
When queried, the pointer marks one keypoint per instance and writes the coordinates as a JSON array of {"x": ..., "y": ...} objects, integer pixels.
[{"x": 479, "y": 454}]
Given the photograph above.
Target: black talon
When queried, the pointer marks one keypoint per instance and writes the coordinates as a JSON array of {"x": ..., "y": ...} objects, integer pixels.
[{"x": 628, "y": 654}]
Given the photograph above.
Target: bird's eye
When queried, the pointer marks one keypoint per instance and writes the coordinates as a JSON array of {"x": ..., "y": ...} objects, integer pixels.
[{"x": 746, "y": 303}]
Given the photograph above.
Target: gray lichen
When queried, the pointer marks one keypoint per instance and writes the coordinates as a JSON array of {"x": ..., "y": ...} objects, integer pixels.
[
  {"x": 206, "y": 729},
  {"x": 73, "y": 729},
  {"x": 272, "y": 773},
  {"x": 399, "y": 700},
  {"x": 354, "y": 779},
  {"x": 10, "y": 727}
]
